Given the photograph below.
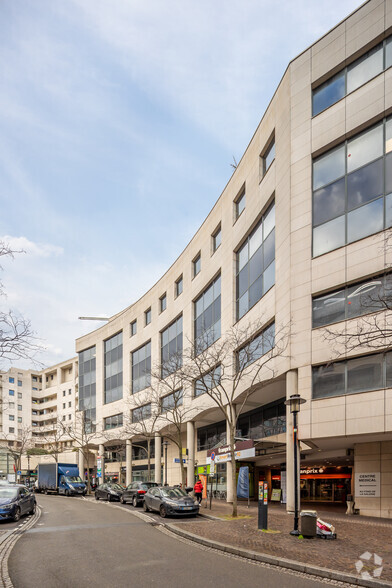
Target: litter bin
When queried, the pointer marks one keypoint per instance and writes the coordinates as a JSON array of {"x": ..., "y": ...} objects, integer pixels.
[
  {"x": 309, "y": 523},
  {"x": 350, "y": 504}
]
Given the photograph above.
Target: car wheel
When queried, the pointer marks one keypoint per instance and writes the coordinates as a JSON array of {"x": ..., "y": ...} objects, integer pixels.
[
  {"x": 96, "y": 497},
  {"x": 134, "y": 501},
  {"x": 122, "y": 500},
  {"x": 66, "y": 493},
  {"x": 109, "y": 498},
  {"x": 32, "y": 511},
  {"x": 45, "y": 491},
  {"x": 16, "y": 516},
  {"x": 162, "y": 511},
  {"x": 145, "y": 507}
]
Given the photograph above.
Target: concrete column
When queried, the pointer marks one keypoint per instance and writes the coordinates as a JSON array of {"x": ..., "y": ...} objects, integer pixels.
[
  {"x": 158, "y": 451},
  {"x": 291, "y": 388},
  {"x": 190, "y": 443},
  {"x": 229, "y": 465},
  {"x": 128, "y": 461},
  {"x": 101, "y": 454}
]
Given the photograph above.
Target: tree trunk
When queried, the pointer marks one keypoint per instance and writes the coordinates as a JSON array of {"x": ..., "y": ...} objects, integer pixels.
[
  {"x": 182, "y": 466},
  {"x": 148, "y": 459},
  {"x": 88, "y": 471},
  {"x": 233, "y": 472}
]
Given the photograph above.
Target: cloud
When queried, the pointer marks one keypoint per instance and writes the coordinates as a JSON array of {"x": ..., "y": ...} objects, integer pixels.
[{"x": 33, "y": 249}]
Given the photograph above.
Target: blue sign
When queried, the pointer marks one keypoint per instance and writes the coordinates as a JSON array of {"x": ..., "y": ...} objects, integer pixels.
[
  {"x": 177, "y": 460},
  {"x": 19, "y": 472},
  {"x": 243, "y": 483}
]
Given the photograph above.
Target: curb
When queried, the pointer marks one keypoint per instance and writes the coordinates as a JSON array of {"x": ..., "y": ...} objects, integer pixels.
[{"x": 280, "y": 562}]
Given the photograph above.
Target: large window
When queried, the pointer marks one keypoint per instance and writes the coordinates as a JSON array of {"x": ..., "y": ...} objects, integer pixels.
[
  {"x": 360, "y": 374},
  {"x": 352, "y": 77},
  {"x": 141, "y": 368},
  {"x": 352, "y": 189},
  {"x": 141, "y": 413},
  {"x": 256, "y": 348},
  {"x": 113, "y": 368},
  {"x": 256, "y": 264},
  {"x": 171, "y": 347},
  {"x": 208, "y": 382},
  {"x": 172, "y": 401},
  {"x": 264, "y": 421},
  {"x": 207, "y": 322},
  {"x": 113, "y": 421},
  {"x": 351, "y": 301},
  {"x": 208, "y": 437},
  {"x": 87, "y": 387}
]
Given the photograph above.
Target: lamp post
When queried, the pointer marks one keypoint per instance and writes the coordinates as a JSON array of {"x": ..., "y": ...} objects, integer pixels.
[
  {"x": 165, "y": 445},
  {"x": 295, "y": 402}
]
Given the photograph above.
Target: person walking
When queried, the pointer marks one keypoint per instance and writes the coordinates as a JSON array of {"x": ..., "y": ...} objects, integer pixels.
[{"x": 198, "y": 489}]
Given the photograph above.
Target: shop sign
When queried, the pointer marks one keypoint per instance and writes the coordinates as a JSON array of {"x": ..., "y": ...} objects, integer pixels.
[
  {"x": 242, "y": 450},
  {"x": 367, "y": 485},
  {"x": 276, "y": 494}
]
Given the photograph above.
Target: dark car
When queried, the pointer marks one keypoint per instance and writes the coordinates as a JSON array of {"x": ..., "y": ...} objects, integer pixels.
[
  {"x": 170, "y": 501},
  {"x": 109, "y": 491},
  {"x": 16, "y": 501},
  {"x": 135, "y": 492}
]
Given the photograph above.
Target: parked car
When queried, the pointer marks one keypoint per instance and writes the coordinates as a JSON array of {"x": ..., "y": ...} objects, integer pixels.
[
  {"x": 109, "y": 491},
  {"x": 135, "y": 492},
  {"x": 170, "y": 501},
  {"x": 16, "y": 501}
]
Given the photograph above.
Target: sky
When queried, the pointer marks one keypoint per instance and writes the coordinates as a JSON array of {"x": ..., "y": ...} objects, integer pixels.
[{"x": 119, "y": 122}]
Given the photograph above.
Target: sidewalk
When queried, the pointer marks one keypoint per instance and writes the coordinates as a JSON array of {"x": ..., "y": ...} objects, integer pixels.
[{"x": 355, "y": 535}]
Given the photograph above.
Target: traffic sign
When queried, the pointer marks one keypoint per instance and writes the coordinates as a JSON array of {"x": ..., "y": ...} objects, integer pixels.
[
  {"x": 19, "y": 472},
  {"x": 212, "y": 456}
]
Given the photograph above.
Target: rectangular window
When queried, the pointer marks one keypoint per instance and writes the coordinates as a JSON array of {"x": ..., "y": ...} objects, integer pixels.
[
  {"x": 11, "y": 429},
  {"x": 269, "y": 156},
  {"x": 69, "y": 392},
  {"x": 353, "y": 76},
  {"x": 216, "y": 239},
  {"x": 64, "y": 417},
  {"x": 256, "y": 264},
  {"x": 113, "y": 421},
  {"x": 163, "y": 302},
  {"x": 147, "y": 316},
  {"x": 113, "y": 361},
  {"x": 69, "y": 404},
  {"x": 196, "y": 265},
  {"x": 64, "y": 392},
  {"x": 11, "y": 405},
  {"x": 11, "y": 392},
  {"x": 64, "y": 405},
  {"x": 133, "y": 327},
  {"x": 141, "y": 368},
  {"x": 11, "y": 417},
  {"x": 351, "y": 185},
  {"x": 171, "y": 401},
  {"x": 87, "y": 387},
  {"x": 207, "y": 313},
  {"x": 69, "y": 417},
  {"x": 360, "y": 374},
  {"x": 19, "y": 419},
  {"x": 11, "y": 380},
  {"x": 141, "y": 413},
  {"x": 171, "y": 348},
  {"x": 351, "y": 301},
  {"x": 239, "y": 204},
  {"x": 208, "y": 382},
  {"x": 20, "y": 395},
  {"x": 179, "y": 286},
  {"x": 19, "y": 407},
  {"x": 20, "y": 383},
  {"x": 34, "y": 378},
  {"x": 256, "y": 348}
]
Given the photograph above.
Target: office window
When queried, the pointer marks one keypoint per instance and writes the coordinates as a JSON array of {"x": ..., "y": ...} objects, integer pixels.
[
  {"x": 256, "y": 348},
  {"x": 141, "y": 368},
  {"x": 20, "y": 395},
  {"x": 11, "y": 392},
  {"x": 353, "y": 76},
  {"x": 87, "y": 387},
  {"x": 133, "y": 327},
  {"x": 351, "y": 301},
  {"x": 216, "y": 239},
  {"x": 171, "y": 348},
  {"x": 20, "y": 383},
  {"x": 208, "y": 381},
  {"x": 11, "y": 380},
  {"x": 269, "y": 156},
  {"x": 147, "y": 316},
  {"x": 256, "y": 264},
  {"x": 141, "y": 413},
  {"x": 179, "y": 286},
  {"x": 351, "y": 187},
  {"x": 19, "y": 419},
  {"x": 207, "y": 313},
  {"x": 196, "y": 265},
  {"x": 11, "y": 417},
  {"x": 240, "y": 204},
  {"x": 163, "y": 302},
  {"x": 113, "y": 421},
  {"x": 113, "y": 361},
  {"x": 34, "y": 378},
  {"x": 360, "y": 374},
  {"x": 172, "y": 401},
  {"x": 11, "y": 429},
  {"x": 19, "y": 407}
]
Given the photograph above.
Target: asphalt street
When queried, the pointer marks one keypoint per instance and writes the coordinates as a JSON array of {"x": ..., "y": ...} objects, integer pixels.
[{"x": 80, "y": 542}]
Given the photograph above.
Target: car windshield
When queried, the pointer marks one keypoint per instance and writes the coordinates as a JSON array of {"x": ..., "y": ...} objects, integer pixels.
[
  {"x": 8, "y": 492},
  {"x": 173, "y": 493},
  {"x": 74, "y": 479},
  {"x": 116, "y": 486},
  {"x": 147, "y": 485}
]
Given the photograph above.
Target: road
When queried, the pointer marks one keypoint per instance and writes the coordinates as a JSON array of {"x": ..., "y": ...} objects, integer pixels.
[{"x": 80, "y": 542}]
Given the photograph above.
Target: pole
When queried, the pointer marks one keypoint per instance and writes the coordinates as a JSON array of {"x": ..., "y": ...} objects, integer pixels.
[
  {"x": 295, "y": 530},
  {"x": 166, "y": 463}
]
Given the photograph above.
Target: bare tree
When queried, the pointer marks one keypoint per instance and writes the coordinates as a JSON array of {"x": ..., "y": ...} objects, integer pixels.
[
  {"x": 54, "y": 441},
  {"x": 17, "y": 340},
  {"x": 19, "y": 447},
  {"x": 231, "y": 369}
]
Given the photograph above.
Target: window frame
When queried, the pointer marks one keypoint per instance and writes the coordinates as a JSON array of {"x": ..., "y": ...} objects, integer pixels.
[
  {"x": 241, "y": 197},
  {"x": 196, "y": 263},
  {"x": 147, "y": 317}
]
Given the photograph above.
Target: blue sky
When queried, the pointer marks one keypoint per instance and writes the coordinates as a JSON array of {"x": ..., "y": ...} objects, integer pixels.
[{"x": 118, "y": 124}]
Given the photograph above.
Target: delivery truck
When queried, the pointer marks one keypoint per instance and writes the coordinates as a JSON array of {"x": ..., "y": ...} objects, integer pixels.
[{"x": 61, "y": 478}]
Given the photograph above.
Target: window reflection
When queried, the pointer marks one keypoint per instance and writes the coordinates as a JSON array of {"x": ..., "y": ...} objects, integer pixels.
[
  {"x": 365, "y": 221},
  {"x": 329, "y": 167},
  {"x": 364, "y": 148},
  {"x": 329, "y": 93},
  {"x": 365, "y": 68},
  {"x": 365, "y": 184},
  {"x": 329, "y": 236},
  {"x": 388, "y": 53},
  {"x": 329, "y": 202}
]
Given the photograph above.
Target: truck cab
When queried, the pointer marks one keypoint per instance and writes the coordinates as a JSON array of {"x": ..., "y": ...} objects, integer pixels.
[{"x": 69, "y": 484}]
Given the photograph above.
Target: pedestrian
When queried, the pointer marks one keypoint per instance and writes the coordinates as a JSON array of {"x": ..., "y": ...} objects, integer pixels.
[{"x": 198, "y": 489}]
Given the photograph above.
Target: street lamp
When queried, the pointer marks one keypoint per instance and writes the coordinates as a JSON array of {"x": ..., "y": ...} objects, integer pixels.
[
  {"x": 165, "y": 446},
  {"x": 294, "y": 402}
]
